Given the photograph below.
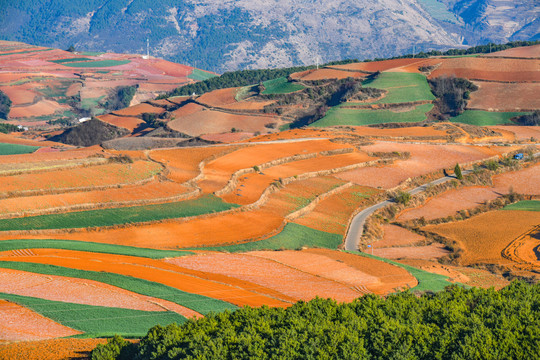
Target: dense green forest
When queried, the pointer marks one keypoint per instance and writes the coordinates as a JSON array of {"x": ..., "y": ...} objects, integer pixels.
[
  {"x": 5, "y": 105},
  {"x": 456, "y": 323}
]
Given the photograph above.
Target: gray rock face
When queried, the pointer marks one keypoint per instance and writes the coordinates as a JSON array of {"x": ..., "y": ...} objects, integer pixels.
[{"x": 233, "y": 34}]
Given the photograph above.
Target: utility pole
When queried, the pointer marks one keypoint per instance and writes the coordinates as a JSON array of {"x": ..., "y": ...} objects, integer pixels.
[{"x": 147, "y": 48}]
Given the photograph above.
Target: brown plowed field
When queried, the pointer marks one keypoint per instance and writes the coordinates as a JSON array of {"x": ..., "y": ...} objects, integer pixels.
[
  {"x": 525, "y": 181},
  {"x": 450, "y": 202},
  {"x": 374, "y": 66},
  {"x": 483, "y": 237},
  {"x": 100, "y": 175},
  {"x": 22, "y": 324},
  {"x": 520, "y": 52},
  {"x": 397, "y": 236},
  {"x": 218, "y": 98},
  {"x": 251, "y": 186},
  {"x": 325, "y": 74},
  {"x": 209, "y": 121},
  {"x": 219, "y": 171},
  {"x": 493, "y": 96},
  {"x": 186, "y": 110},
  {"x": 148, "y": 192},
  {"x": 138, "y": 110},
  {"x": 433, "y": 251},
  {"x": 130, "y": 123},
  {"x": 332, "y": 214},
  {"x": 506, "y": 70},
  {"x": 520, "y": 132},
  {"x": 55, "y": 349},
  {"x": 219, "y": 287},
  {"x": 424, "y": 159},
  {"x": 41, "y": 108},
  {"x": 295, "y": 284}
]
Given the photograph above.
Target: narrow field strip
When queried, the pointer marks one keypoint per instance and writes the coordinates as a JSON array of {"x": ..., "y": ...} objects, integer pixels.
[
  {"x": 15, "y": 149},
  {"x": 97, "y": 321},
  {"x": 117, "y": 216}
]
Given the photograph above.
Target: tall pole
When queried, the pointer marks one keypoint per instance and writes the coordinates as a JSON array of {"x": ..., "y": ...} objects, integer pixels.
[{"x": 147, "y": 48}]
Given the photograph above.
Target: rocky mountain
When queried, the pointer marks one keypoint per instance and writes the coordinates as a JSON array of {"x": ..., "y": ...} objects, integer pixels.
[{"x": 233, "y": 34}]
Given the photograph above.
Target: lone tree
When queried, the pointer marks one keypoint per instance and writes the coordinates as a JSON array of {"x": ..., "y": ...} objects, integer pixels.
[
  {"x": 403, "y": 197},
  {"x": 457, "y": 171}
]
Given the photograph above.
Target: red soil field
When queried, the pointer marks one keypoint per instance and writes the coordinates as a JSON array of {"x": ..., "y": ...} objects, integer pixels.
[
  {"x": 178, "y": 99},
  {"x": 505, "y": 97},
  {"x": 248, "y": 105},
  {"x": 525, "y": 181},
  {"x": 457, "y": 273},
  {"x": 324, "y": 74},
  {"x": 219, "y": 287},
  {"x": 295, "y": 134},
  {"x": 333, "y": 213},
  {"x": 100, "y": 175},
  {"x": 433, "y": 251},
  {"x": 424, "y": 159},
  {"x": 41, "y": 108},
  {"x": 138, "y": 110},
  {"x": 519, "y": 52},
  {"x": 160, "y": 87},
  {"x": 284, "y": 279},
  {"x": 14, "y": 138},
  {"x": 218, "y": 98},
  {"x": 374, "y": 66},
  {"x": 520, "y": 132},
  {"x": 506, "y": 70},
  {"x": 208, "y": 121},
  {"x": 22, "y": 324},
  {"x": 130, "y": 123},
  {"x": 397, "y": 236},
  {"x": 252, "y": 185},
  {"x": 450, "y": 202},
  {"x": 228, "y": 137},
  {"x": 50, "y": 156},
  {"x": 186, "y": 110},
  {"x": 415, "y": 131},
  {"x": 55, "y": 349},
  {"x": 18, "y": 96},
  {"x": 150, "y": 192},
  {"x": 483, "y": 237}
]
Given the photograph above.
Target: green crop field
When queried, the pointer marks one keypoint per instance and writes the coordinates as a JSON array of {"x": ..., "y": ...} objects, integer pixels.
[
  {"x": 97, "y": 63},
  {"x": 200, "y": 75},
  {"x": 342, "y": 116},
  {"x": 15, "y": 149},
  {"x": 25, "y": 52},
  {"x": 292, "y": 237},
  {"x": 117, "y": 216},
  {"x": 485, "y": 118},
  {"x": 281, "y": 86},
  {"x": 426, "y": 281},
  {"x": 61, "y": 61},
  {"x": 90, "y": 103},
  {"x": 97, "y": 321},
  {"x": 198, "y": 303},
  {"x": 91, "y": 53},
  {"x": 7, "y": 245},
  {"x": 525, "y": 205},
  {"x": 401, "y": 87}
]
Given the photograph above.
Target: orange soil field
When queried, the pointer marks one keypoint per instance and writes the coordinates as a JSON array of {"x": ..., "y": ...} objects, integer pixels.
[
  {"x": 218, "y": 98},
  {"x": 50, "y": 156},
  {"x": 433, "y": 251},
  {"x": 397, "y": 236},
  {"x": 186, "y": 110},
  {"x": 139, "y": 110},
  {"x": 525, "y": 181},
  {"x": 54, "y": 349},
  {"x": 450, "y": 202},
  {"x": 483, "y": 237},
  {"x": 505, "y": 97},
  {"x": 160, "y": 86},
  {"x": 228, "y": 137},
  {"x": 284, "y": 279},
  {"x": 14, "y": 138},
  {"x": 219, "y": 287},
  {"x": 324, "y": 74},
  {"x": 510, "y": 70},
  {"x": 520, "y": 52},
  {"x": 219, "y": 171},
  {"x": 178, "y": 99},
  {"x": 248, "y": 105},
  {"x": 480, "y": 278},
  {"x": 374, "y": 66},
  {"x": 520, "y": 132},
  {"x": 415, "y": 131},
  {"x": 101, "y": 198},
  {"x": 183, "y": 163},
  {"x": 295, "y": 134},
  {"x": 527, "y": 245},
  {"x": 424, "y": 159},
  {"x": 80, "y": 291},
  {"x": 251, "y": 186},
  {"x": 209, "y": 121},
  {"x": 100, "y": 175},
  {"x": 18, "y": 96},
  {"x": 332, "y": 214},
  {"x": 41, "y": 108},
  {"x": 130, "y": 123},
  {"x": 22, "y": 324}
]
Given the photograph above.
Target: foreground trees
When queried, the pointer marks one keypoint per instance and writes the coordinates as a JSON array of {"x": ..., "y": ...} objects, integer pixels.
[{"x": 454, "y": 324}]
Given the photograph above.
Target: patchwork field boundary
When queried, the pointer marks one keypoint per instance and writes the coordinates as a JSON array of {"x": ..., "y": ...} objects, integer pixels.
[
  {"x": 510, "y": 252},
  {"x": 94, "y": 162}
]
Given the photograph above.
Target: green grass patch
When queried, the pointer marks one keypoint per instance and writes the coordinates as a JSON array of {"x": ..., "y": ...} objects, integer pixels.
[
  {"x": 199, "y": 303},
  {"x": 26, "y": 80},
  {"x": 401, "y": 87},
  {"x": 292, "y": 237},
  {"x": 438, "y": 10},
  {"x": 426, "y": 281},
  {"x": 62, "y": 61},
  {"x": 117, "y": 216},
  {"x": 97, "y": 321},
  {"x": 340, "y": 116},
  {"x": 15, "y": 149},
  {"x": 485, "y": 118},
  {"x": 97, "y": 63},
  {"x": 90, "y": 103},
  {"x": 200, "y": 75},
  {"x": 525, "y": 205},
  {"x": 102, "y": 71},
  {"x": 25, "y": 52},
  {"x": 8, "y": 245},
  {"x": 281, "y": 86},
  {"x": 91, "y": 53}
]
